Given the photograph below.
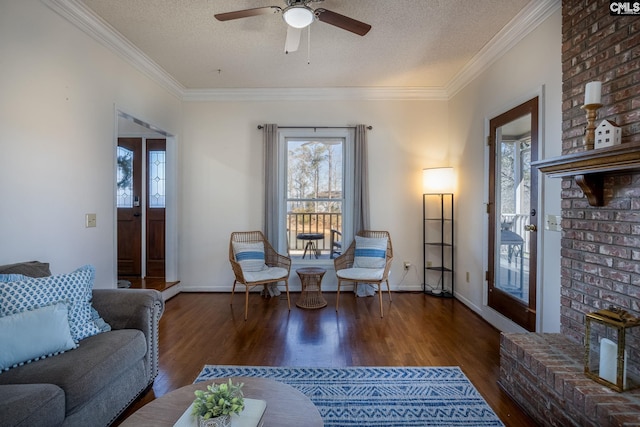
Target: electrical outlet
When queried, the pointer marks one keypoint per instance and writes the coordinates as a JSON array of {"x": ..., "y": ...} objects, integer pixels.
[{"x": 407, "y": 264}]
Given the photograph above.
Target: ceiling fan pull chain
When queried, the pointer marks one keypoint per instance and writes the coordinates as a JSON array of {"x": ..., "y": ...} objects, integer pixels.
[{"x": 309, "y": 46}]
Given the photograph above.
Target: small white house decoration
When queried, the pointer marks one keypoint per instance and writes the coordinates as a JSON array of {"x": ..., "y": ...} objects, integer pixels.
[{"x": 607, "y": 134}]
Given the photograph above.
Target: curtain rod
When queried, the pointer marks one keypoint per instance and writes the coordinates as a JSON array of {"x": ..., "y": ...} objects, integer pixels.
[{"x": 315, "y": 127}]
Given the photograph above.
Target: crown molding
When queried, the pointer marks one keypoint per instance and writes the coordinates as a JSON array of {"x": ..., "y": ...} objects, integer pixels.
[
  {"x": 100, "y": 30},
  {"x": 527, "y": 20},
  {"x": 318, "y": 94},
  {"x": 533, "y": 14}
]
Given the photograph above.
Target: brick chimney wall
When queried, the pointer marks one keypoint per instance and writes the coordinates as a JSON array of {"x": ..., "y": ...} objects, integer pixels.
[{"x": 600, "y": 245}]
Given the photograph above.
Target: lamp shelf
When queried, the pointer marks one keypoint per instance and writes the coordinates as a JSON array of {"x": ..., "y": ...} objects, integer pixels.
[
  {"x": 438, "y": 241},
  {"x": 437, "y": 268},
  {"x": 588, "y": 168}
]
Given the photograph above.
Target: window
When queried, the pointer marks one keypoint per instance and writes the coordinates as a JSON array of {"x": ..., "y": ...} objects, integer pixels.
[
  {"x": 515, "y": 171},
  {"x": 125, "y": 178},
  {"x": 316, "y": 181},
  {"x": 157, "y": 179}
]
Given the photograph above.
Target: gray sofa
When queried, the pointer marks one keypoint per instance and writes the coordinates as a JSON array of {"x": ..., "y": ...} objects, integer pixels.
[{"x": 94, "y": 383}]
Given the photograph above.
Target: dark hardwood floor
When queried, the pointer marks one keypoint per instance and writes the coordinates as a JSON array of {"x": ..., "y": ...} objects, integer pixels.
[{"x": 417, "y": 330}]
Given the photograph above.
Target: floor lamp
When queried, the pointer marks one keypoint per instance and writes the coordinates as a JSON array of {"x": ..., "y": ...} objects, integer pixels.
[{"x": 437, "y": 222}]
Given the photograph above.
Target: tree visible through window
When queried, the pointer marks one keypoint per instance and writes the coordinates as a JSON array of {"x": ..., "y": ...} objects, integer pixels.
[{"x": 515, "y": 176}]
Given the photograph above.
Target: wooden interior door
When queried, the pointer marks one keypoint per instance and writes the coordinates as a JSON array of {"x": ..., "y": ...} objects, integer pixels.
[
  {"x": 155, "y": 211},
  {"x": 129, "y": 214},
  {"x": 513, "y": 214}
]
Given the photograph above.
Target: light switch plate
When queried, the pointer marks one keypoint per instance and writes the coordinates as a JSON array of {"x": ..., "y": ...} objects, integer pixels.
[
  {"x": 553, "y": 222},
  {"x": 90, "y": 220}
]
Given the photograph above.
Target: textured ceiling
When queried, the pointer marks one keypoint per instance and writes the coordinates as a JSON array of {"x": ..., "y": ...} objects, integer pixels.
[{"x": 413, "y": 43}]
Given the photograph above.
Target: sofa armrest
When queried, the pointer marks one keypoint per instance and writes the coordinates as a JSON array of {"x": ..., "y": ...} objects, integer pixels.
[{"x": 133, "y": 309}]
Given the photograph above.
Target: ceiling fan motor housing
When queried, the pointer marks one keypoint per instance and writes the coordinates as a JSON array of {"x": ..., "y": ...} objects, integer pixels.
[{"x": 298, "y": 16}]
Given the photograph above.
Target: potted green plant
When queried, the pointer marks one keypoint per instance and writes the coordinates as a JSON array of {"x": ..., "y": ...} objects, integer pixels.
[{"x": 214, "y": 406}]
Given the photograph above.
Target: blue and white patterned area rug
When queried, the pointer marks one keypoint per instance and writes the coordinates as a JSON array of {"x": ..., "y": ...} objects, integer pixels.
[{"x": 378, "y": 396}]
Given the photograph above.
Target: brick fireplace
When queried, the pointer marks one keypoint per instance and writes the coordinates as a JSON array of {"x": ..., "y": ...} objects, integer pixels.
[{"x": 600, "y": 244}]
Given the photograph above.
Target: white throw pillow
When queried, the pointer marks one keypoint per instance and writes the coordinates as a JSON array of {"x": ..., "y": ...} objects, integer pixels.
[
  {"x": 33, "y": 335},
  {"x": 371, "y": 252},
  {"x": 250, "y": 256}
]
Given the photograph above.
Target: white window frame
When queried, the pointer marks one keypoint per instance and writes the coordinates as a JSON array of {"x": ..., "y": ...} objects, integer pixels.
[{"x": 348, "y": 171}]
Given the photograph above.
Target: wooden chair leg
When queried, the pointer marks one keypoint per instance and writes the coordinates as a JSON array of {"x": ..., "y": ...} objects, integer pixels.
[
  {"x": 286, "y": 286},
  {"x": 380, "y": 297},
  {"x": 389, "y": 291},
  {"x": 233, "y": 289},
  {"x": 246, "y": 302},
  {"x": 338, "y": 296}
]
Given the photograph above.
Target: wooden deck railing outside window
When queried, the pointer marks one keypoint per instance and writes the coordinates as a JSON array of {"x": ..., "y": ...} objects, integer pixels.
[{"x": 312, "y": 222}]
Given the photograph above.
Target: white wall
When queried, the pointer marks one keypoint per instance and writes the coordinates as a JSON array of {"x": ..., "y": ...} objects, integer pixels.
[
  {"x": 59, "y": 91},
  {"x": 222, "y": 176},
  {"x": 519, "y": 75}
]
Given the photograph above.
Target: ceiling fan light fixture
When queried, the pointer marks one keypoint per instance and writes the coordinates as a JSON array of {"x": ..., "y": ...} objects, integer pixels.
[{"x": 298, "y": 16}]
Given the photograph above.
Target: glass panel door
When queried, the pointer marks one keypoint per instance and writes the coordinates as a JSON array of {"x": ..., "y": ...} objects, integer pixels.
[
  {"x": 128, "y": 190},
  {"x": 513, "y": 217}
]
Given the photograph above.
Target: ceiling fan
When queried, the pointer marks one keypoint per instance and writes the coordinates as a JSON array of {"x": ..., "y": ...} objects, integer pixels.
[{"x": 298, "y": 15}]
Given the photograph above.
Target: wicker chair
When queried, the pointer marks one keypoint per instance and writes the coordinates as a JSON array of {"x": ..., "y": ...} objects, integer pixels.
[
  {"x": 346, "y": 272},
  {"x": 278, "y": 266}
]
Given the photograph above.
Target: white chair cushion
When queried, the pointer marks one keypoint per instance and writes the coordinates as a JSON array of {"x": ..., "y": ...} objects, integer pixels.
[
  {"x": 361, "y": 274},
  {"x": 269, "y": 273}
]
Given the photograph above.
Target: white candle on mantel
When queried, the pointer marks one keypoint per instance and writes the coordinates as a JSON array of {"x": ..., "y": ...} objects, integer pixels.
[
  {"x": 609, "y": 362},
  {"x": 592, "y": 93}
]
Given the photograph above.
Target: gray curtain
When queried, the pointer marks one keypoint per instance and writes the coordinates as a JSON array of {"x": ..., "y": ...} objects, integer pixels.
[
  {"x": 270, "y": 135},
  {"x": 361, "y": 181},
  {"x": 361, "y": 194}
]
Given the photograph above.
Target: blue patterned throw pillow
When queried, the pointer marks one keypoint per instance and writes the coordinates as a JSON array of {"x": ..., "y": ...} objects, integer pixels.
[
  {"x": 371, "y": 252},
  {"x": 74, "y": 288},
  {"x": 250, "y": 256}
]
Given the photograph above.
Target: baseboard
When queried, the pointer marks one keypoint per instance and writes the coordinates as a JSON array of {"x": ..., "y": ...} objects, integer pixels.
[{"x": 171, "y": 292}]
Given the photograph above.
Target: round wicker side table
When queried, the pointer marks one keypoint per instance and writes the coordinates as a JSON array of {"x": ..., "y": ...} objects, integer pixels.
[{"x": 311, "y": 280}]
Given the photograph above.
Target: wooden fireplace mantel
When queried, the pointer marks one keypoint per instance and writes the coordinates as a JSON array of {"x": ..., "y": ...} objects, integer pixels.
[{"x": 588, "y": 168}]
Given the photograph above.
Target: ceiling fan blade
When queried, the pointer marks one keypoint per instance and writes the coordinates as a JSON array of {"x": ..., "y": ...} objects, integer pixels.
[
  {"x": 227, "y": 16},
  {"x": 342, "y": 21},
  {"x": 293, "y": 39}
]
